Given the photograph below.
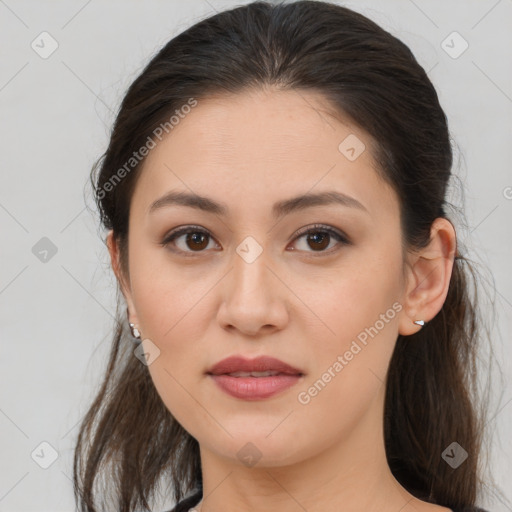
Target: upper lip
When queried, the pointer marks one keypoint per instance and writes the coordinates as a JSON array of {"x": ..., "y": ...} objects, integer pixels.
[{"x": 259, "y": 364}]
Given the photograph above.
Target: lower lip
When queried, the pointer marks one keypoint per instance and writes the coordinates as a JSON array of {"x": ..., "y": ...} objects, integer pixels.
[{"x": 255, "y": 388}]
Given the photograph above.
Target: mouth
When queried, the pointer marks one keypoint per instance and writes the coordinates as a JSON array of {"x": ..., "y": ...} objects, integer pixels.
[
  {"x": 263, "y": 366},
  {"x": 268, "y": 373},
  {"x": 254, "y": 379}
]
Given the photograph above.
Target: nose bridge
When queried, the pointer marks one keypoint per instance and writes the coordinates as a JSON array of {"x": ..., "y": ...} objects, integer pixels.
[
  {"x": 250, "y": 272},
  {"x": 252, "y": 297}
]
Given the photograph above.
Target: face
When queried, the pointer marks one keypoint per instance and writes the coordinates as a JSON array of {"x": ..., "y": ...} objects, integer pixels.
[{"x": 315, "y": 284}]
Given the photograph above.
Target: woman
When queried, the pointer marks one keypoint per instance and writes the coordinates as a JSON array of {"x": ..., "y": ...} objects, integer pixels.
[{"x": 275, "y": 195}]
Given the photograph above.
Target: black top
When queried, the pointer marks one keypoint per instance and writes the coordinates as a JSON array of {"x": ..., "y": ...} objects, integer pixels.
[{"x": 189, "y": 502}]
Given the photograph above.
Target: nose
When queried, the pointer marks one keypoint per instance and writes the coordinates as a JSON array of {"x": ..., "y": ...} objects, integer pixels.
[{"x": 254, "y": 299}]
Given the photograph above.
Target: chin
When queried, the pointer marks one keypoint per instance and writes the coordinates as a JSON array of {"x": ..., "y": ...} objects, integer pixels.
[{"x": 258, "y": 449}]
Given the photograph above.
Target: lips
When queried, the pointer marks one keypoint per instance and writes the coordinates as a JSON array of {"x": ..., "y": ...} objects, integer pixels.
[
  {"x": 263, "y": 366},
  {"x": 254, "y": 379}
]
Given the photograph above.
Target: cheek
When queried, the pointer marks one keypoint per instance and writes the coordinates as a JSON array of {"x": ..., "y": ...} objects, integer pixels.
[
  {"x": 350, "y": 366},
  {"x": 168, "y": 298},
  {"x": 354, "y": 299},
  {"x": 360, "y": 311},
  {"x": 172, "y": 313}
]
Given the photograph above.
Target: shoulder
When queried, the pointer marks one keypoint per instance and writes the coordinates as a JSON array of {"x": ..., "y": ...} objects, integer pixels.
[{"x": 188, "y": 502}]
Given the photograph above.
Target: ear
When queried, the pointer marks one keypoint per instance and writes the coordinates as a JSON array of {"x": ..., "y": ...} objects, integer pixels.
[
  {"x": 113, "y": 249},
  {"x": 428, "y": 277}
]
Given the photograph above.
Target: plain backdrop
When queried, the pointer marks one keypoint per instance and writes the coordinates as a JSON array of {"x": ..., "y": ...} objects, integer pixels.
[{"x": 57, "y": 299}]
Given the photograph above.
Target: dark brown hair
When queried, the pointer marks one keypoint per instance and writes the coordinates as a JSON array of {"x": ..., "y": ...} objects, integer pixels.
[{"x": 371, "y": 77}]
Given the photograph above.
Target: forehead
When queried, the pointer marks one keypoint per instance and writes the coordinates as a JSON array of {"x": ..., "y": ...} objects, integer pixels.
[{"x": 263, "y": 144}]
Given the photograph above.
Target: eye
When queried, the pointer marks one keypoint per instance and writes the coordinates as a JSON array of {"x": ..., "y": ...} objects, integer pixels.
[
  {"x": 318, "y": 237},
  {"x": 196, "y": 239}
]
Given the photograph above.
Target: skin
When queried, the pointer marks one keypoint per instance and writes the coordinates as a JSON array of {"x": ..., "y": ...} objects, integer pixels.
[{"x": 302, "y": 306}]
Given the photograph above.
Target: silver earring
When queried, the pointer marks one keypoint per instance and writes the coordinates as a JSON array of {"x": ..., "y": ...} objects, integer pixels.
[
  {"x": 419, "y": 322},
  {"x": 135, "y": 331}
]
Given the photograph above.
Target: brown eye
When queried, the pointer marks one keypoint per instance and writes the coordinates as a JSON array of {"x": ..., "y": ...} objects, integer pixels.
[
  {"x": 318, "y": 239},
  {"x": 187, "y": 239}
]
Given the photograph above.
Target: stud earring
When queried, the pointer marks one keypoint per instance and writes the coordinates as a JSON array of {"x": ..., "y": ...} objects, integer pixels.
[
  {"x": 419, "y": 322},
  {"x": 135, "y": 331}
]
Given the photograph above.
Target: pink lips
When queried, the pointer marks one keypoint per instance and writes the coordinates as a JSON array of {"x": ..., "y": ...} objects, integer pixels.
[{"x": 254, "y": 387}]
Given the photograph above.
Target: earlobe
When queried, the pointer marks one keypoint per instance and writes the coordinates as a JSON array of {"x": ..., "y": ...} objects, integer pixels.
[{"x": 428, "y": 277}]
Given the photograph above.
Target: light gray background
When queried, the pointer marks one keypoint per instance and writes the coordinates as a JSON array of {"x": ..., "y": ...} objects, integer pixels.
[{"x": 56, "y": 316}]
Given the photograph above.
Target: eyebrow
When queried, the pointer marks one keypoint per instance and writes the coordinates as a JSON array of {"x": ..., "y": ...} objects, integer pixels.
[{"x": 279, "y": 209}]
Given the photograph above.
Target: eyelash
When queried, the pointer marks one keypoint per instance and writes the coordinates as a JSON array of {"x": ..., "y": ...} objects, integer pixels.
[{"x": 340, "y": 237}]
